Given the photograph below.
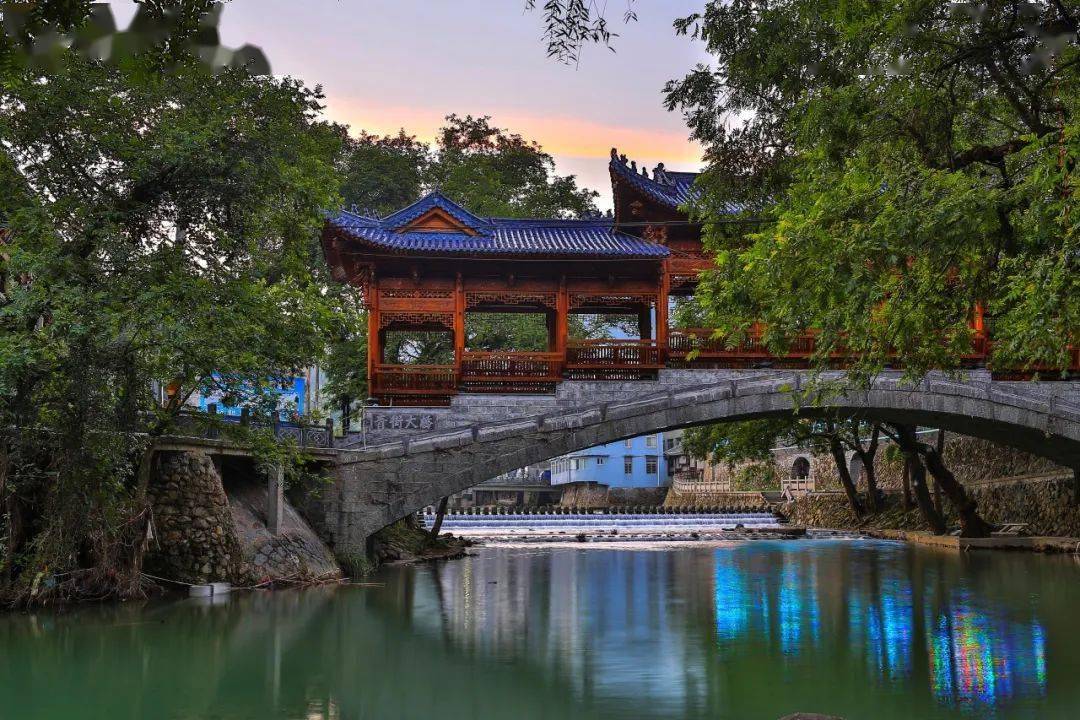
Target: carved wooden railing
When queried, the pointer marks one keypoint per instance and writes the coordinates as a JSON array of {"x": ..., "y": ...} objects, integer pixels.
[
  {"x": 511, "y": 366},
  {"x": 684, "y": 341},
  {"x": 415, "y": 379},
  {"x": 602, "y": 354}
]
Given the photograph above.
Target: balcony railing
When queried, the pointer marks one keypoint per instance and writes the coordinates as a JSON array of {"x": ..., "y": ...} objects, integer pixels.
[
  {"x": 415, "y": 379},
  {"x": 510, "y": 366},
  {"x": 604, "y": 354}
]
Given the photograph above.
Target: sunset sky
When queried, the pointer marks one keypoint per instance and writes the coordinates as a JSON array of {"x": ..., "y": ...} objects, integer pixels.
[{"x": 387, "y": 64}]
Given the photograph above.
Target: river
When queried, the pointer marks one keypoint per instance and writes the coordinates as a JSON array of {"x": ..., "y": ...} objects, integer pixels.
[{"x": 860, "y": 629}]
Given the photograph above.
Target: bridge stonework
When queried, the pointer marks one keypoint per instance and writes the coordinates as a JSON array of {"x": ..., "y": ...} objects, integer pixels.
[{"x": 405, "y": 464}]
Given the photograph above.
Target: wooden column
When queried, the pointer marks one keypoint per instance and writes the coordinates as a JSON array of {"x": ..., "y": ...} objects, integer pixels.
[
  {"x": 459, "y": 324},
  {"x": 374, "y": 355},
  {"x": 562, "y": 320},
  {"x": 662, "y": 312}
]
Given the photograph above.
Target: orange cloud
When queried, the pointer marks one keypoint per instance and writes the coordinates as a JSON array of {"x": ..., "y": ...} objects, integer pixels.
[{"x": 559, "y": 135}]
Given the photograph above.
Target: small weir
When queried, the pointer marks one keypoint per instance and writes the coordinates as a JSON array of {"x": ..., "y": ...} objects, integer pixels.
[{"x": 600, "y": 522}]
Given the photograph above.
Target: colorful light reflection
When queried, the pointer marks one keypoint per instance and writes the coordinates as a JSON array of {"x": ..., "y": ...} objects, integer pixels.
[{"x": 978, "y": 657}]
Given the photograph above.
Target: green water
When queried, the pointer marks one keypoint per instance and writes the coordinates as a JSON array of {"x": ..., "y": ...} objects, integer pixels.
[{"x": 854, "y": 628}]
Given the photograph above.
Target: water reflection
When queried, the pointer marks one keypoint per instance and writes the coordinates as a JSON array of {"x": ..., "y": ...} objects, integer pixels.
[
  {"x": 855, "y": 629},
  {"x": 979, "y": 660}
]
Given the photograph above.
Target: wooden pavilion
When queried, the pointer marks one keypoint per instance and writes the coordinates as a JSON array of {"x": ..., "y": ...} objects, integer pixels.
[{"x": 427, "y": 266}]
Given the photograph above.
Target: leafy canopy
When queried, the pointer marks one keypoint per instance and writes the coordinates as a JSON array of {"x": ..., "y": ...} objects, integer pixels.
[
  {"x": 162, "y": 231},
  {"x": 903, "y": 162}
]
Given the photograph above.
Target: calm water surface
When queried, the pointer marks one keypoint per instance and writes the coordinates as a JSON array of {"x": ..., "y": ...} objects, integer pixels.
[{"x": 853, "y": 628}]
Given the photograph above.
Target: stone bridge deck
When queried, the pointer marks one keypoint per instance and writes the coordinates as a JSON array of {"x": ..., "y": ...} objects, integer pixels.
[{"x": 410, "y": 457}]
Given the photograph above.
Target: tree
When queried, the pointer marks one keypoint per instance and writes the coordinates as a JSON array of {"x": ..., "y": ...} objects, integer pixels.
[
  {"x": 384, "y": 174},
  {"x": 163, "y": 231},
  {"x": 900, "y": 163},
  {"x": 923, "y": 457},
  {"x": 495, "y": 172},
  {"x": 754, "y": 440}
]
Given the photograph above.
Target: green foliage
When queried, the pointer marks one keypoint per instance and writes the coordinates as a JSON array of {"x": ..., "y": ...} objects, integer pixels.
[
  {"x": 736, "y": 442},
  {"x": 902, "y": 163},
  {"x": 163, "y": 230},
  {"x": 345, "y": 362},
  {"x": 569, "y": 25},
  {"x": 755, "y": 476},
  {"x": 496, "y": 173},
  {"x": 487, "y": 169},
  {"x": 384, "y": 174}
]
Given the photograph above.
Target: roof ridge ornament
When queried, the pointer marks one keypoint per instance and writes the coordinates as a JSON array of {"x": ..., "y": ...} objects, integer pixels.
[{"x": 660, "y": 175}]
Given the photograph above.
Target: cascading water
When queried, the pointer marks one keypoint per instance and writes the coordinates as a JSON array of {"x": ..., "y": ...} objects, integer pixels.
[{"x": 586, "y": 522}]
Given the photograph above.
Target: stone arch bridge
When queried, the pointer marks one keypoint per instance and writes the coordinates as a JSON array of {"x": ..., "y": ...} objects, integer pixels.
[{"x": 407, "y": 458}]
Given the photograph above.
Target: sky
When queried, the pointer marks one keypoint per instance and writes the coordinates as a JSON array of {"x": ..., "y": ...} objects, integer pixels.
[{"x": 390, "y": 64}]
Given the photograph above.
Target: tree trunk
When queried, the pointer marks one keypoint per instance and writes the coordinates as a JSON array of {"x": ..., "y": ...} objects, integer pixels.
[
  {"x": 971, "y": 523},
  {"x": 5, "y": 577},
  {"x": 439, "y": 514},
  {"x": 867, "y": 456},
  {"x": 917, "y": 473},
  {"x": 3, "y": 466},
  {"x": 908, "y": 503},
  {"x": 143, "y": 475},
  {"x": 939, "y": 503},
  {"x": 837, "y": 450}
]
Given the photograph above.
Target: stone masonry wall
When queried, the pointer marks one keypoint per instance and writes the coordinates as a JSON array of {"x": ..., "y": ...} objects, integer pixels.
[
  {"x": 602, "y": 496},
  {"x": 971, "y": 459},
  {"x": 1048, "y": 504},
  {"x": 295, "y": 553},
  {"x": 715, "y": 499},
  {"x": 195, "y": 540}
]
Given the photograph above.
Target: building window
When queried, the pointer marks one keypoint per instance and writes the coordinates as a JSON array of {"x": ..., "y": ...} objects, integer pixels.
[
  {"x": 577, "y": 463},
  {"x": 628, "y": 465},
  {"x": 601, "y": 460},
  {"x": 650, "y": 464},
  {"x": 628, "y": 442},
  {"x": 650, "y": 441}
]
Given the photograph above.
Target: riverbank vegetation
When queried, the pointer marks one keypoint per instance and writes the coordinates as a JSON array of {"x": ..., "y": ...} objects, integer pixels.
[
  {"x": 899, "y": 168},
  {"x": 161, "y": 223},
  {"x": 899, "y": 165},
  {"x": 161, "y": 242}
]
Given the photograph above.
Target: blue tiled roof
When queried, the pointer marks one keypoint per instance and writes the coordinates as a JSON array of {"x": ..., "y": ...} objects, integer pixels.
[
  {"x": 431, "y": 201},
  {"x": 495, "y": 236},
  {"x": 668, "y": 188}
]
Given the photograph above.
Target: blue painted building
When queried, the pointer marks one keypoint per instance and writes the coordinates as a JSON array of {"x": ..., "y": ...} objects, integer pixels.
[
  {"x": 293, "y": 398},
  {"x": 634, "y": 462}
]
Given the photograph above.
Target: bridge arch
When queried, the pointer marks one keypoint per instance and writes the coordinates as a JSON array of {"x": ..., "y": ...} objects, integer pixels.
[{"x": 381, "y": 484}]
